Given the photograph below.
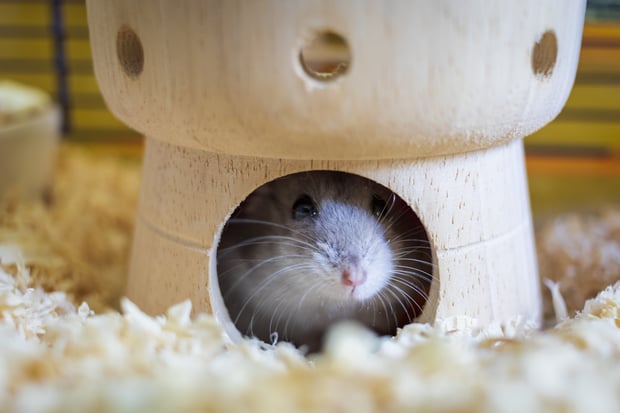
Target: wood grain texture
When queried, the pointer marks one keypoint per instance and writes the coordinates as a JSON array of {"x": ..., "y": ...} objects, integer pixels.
[
  {"x": 426, "y": 78},
  {"x": 432, "y": 105},
  {"x": 481, "y": 236}
]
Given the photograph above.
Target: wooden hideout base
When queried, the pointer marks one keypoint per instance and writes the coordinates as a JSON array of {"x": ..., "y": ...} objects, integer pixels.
[
  {"x": 428, "y": 98},
  {"x": 483, "y": 250}
]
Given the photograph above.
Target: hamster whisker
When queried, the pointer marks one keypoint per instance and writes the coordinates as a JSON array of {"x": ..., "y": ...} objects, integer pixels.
[
  {"x": 410, "y": 230},
  {"x": 244, "y": 262},
  {"x": 274, "y": 328},
  {"x": 282, "y": 299},
  {"x": 414, "y": 226},
  {"x": 294, "y": 313},
  {"x": 387, "y": 208},
  {"x": 398, "y": 299},
  {"x": 267, "y": 240},
  {"x": 387, "y": 222},
  {"x": 416, "y": 260},
  {"x": 250, "y": 327},
  {"x": 406, "y": 252},
  {"x": 268, "y": 223},
  {"x": 379, "y": 298},
  {"x": 254, "y": 268},
  {"x": 374, "y": 311},
  {"x": 405, "y": 262},
  {"x": 389, "y": 302},
  {"x": 416, "y": 288},
  {"x": 408, "y": 297},
  {"x": 415, "y": 272},
  {"x": 411, "y": 278},
  {"x": 264, "y": 283},
  {"x": 389, "y": 219},
  {"x": 419, "y": 242},
  {"x": 298, "y": 309}
]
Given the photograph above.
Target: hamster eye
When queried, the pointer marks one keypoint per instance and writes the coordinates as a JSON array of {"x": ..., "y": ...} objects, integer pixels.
[
  {"x": 377, "y": 206},
  {"x": 304, "y": 207}
]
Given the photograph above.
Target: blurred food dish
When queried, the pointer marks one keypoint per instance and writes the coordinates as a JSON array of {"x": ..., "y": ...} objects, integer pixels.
[{"x": 29, "y": 134}]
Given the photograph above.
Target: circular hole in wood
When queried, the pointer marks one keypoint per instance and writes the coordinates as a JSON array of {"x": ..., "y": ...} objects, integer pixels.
[
  {"x": 129, "y": 52},
  {"x": 544, "y": 54},
  {"x": 315, "y": 248},
  {"x": 326, "y": 57}
]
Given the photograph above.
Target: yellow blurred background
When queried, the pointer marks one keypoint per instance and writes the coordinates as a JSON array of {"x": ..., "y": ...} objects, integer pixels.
[{"x": 574, "y": 162}]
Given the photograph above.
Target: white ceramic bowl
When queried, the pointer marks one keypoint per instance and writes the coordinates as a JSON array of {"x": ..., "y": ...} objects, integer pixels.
[{"x": 28, "y": 142}]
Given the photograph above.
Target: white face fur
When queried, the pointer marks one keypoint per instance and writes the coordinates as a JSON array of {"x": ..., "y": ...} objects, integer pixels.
[
  {"x": 313, "y": 248},
  {"x": 348, "y": 238}
]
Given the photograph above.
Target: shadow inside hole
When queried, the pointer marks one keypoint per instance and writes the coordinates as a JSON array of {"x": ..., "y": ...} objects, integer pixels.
[
  {"x": 326, "y": 57},
  {"x": 129, "y": 52},
  {"x": 544, "y": 54},
  {"x": 310, "y": 249}
]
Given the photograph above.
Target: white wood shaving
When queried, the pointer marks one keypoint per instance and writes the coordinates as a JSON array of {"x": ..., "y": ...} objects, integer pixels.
[
  {"x": 580, "y": 252},
  {"x": 559, "y": 304},
  {"x": 58, "y": 358}
]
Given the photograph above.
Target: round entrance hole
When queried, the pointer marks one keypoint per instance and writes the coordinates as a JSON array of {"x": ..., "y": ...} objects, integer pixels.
[
  {"x": 326, "y": 57},
  {"x": 314, "y": 248},
  {"x": 545, "y": 54},
  {"x": 129, "y": 52}
]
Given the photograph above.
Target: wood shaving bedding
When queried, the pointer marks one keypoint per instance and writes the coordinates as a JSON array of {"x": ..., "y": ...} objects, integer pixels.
[
  {"x": 78, "y": 239},
  {"x": 581, "y": 252},
  {"x": 57, "y": 355}
]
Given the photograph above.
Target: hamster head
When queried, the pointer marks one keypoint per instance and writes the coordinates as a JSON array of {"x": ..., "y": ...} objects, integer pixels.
[
  {"x": 309, "y": 249},
  {"x": 348, "y": 248}
]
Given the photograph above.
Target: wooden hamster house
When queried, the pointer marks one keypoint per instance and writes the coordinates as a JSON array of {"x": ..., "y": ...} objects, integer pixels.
[{"x": 433, "y": 104}]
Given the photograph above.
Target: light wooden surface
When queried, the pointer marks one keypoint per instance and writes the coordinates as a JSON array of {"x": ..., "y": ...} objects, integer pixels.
[
  {"x": 432, "y": 105},
  {"x": 426, "y": 78},
  {"x": 484, "y": 251},
  {"x": 590, "y": 121}
]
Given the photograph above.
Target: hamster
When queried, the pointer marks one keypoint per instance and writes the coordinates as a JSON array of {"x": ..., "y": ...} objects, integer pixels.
[{"x": 313, "y": 248}]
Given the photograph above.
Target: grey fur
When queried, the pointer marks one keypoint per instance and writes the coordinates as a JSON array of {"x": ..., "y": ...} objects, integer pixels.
[{"x": 281, "y": 275}]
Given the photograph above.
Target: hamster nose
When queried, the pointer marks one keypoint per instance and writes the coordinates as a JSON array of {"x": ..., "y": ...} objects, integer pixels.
[{"x": 353, "y": 276}]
